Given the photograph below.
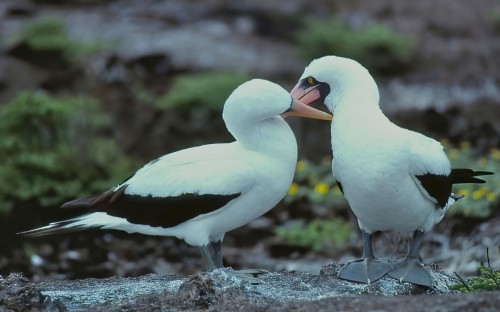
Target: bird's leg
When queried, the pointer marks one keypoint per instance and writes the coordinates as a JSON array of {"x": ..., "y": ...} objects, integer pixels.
[
  {"x": 212, "y": 256},
  {"x": 367, "y": 245},
  {"x": 207, "y": 258},
  {"x": 366, "y": 269},
  {"x": 410, "y": 269},
  {"x": 217, "y": 256},
  {"x": 217, "y": 253},
  {"x": 418, "y": 236}
]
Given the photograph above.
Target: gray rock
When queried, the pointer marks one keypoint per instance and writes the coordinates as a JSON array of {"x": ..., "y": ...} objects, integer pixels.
[{"x": 222, "y": 290}]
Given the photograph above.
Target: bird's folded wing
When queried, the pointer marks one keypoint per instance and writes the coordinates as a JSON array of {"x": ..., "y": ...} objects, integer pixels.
[
  {"x": 430, "y": 168},
  {"x": 165, "y": 195},
  {"x": 219, "y": 177}
]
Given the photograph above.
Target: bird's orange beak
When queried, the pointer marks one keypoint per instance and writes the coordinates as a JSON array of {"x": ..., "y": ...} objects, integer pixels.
[{"x": 300, "y": 109}]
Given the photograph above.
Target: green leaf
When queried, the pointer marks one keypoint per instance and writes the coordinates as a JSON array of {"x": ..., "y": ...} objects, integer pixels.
[
  {"x": 53, "y": 150},
  {"x": 207, "y": 90},
  {"x": 376, "y": 47}
]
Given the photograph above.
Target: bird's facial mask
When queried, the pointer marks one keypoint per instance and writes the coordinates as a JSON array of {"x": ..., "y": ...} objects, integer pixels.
[
  {"x": 309, "y": 90},
  {"x": 299, "y": 109}
]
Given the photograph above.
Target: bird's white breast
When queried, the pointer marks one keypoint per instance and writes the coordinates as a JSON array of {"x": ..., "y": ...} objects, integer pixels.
[
  {"x": 273, "y": 178},
  {"x": 373, "y": 168}
]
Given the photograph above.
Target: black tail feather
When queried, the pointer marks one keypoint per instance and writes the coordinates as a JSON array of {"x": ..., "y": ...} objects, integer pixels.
[
  {"x": 467, "y": 176},
  {"x": 91, "y": 201},
  {"x": 84, "y": 202}
]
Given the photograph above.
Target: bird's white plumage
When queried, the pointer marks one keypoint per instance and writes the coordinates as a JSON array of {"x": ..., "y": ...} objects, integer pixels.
[
  {"x": 376, "y": 161},
  {"x": 263, "y": 180},
  {"x": 256, "y": 169},
  {"x": 210, "y": 169}
]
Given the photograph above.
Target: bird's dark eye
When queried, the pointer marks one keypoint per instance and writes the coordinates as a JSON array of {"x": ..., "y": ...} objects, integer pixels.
[{"x": 310, "y": 80}]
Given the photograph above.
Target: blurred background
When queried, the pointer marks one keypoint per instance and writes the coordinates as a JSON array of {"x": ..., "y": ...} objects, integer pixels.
[{"x": 90, "y": 90}]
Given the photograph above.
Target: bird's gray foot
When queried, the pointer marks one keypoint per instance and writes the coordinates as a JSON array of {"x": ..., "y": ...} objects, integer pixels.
[
  {"x": 411, "y": 270},
  {"x": 254, "y": 272},
  {"x": 249, "y": 275},
  {"x": 364, "y": 270}
]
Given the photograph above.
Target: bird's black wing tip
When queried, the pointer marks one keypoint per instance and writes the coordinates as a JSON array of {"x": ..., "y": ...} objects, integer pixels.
[
  {"x": 476, "y": 180},
  {"x": 481, "y": 173}
]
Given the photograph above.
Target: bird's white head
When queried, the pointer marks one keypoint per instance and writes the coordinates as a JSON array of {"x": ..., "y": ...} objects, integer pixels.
[
  {"x": 332, "y": 80},
  {"x": 257, "y": 100}
]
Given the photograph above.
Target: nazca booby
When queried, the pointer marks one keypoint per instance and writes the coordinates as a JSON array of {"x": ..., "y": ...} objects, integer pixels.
[
  {"x": 198, "y": 194},
  {"x": 393, "y": 178}
]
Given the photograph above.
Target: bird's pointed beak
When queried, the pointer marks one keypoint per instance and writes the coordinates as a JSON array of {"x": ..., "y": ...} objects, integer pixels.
[
  {"x": 306, "y": 95},
  {"x": 300, "y": 109}
]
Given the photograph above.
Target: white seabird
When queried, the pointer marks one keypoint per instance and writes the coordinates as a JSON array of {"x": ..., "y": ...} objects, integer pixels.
[
  {"x": 199, "y": 194},
  {"x": 393, "y": 178}
]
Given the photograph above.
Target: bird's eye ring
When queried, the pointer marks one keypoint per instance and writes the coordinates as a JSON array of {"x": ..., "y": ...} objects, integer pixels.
[{"x": 310, "y": 80}]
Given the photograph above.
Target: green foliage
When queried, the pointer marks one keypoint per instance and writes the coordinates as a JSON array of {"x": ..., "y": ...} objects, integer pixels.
[
  {"x": 376, "y": 47},
  {"x": 50, "y": 35},
  {"x": 487, "y": 280},
  {"x": 52, "y": 150},
  {"x": 318, "y": 234},
  {"x": 480, "y": 199},
  {"x": 207, "y": 90},
  {"x": 315, "y": 184},
  {"x": 46, "y": 34}
]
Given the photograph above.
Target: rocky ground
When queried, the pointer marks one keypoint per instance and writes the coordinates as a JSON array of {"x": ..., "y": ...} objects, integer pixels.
[
  {"x": 451, "y": 90},
  {"x": 221, "y": 290}
]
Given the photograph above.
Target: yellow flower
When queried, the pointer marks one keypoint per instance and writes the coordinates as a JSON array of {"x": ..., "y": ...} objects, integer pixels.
[
  {"x": 491, "y": 196},
  {"x": 495, "y": 153},
  {"x": 321, "y": 188},
  {"x": 294, "y": 189},
  {"x": 301, "y": 166},
  {"x": 464, "y": 192},
  {"x": 479, "y": 193}
]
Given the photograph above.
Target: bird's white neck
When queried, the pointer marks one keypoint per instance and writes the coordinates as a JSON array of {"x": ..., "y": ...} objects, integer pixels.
[
  {"x": 359, "y": 106},
  {"x": 271, "y": 136},
  {"x": 358, "y": 118}
]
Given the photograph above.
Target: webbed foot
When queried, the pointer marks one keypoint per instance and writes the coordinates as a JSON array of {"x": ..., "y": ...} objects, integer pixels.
[
  {"x": 411, "y": 270},
  {"x": 249, "y": 275},
  {"x": 364, "y": 270}
]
